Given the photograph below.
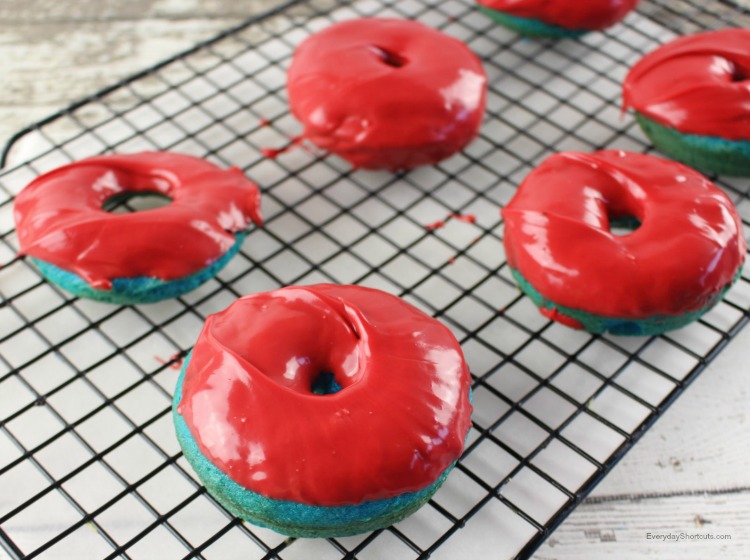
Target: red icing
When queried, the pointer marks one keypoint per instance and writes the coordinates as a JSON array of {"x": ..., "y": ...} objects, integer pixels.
[
  {"x": 697, "y": 84},
  {"x": 555, "y": 315},
  {"x": 467, "y": 218},
  {"x": 273, "y": 153},
  {"x": 375, "y": 92},
  {"x": 571, "y": 14},
  {"x": 59, "y": 216},
  {"x": 174, "y": 361},
  {"x": 398, "y": 423},
  {"x": 688, "y": 247}
]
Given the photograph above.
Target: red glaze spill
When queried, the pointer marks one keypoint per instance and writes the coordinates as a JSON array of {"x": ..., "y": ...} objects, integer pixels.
[
  {"x": 435, "y": 225},
  {"x": 59, "y": 216},
  {"x": 174, "y": 361},
  {"x": 398, "y": 422},
  {"x": 373, "y": 92},
  {"x": 577, "y": 14},
  {"x": 273, "y": 153},
  {"x": 696, "y": 84},
  {"x": 467, "y": 218},
  {"x": 557, "y": 235}
]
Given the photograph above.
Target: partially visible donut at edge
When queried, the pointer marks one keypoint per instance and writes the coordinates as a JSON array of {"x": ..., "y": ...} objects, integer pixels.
[
  {"x": 680, "y": 247},
  {"x": 323, "y": 410},
  {"x": 691, "y": 96},
  {"x": 556, "y": 19},
  {"x": 387, "y": 93}
]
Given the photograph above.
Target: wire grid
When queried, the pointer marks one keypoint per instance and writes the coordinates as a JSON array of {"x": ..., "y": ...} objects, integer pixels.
[{"x": 89, "y": 465}]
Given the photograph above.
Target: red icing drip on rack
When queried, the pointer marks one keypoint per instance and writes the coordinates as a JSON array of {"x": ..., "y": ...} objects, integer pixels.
[
  {"x": 273, "y": 153},
  {"x": 435, "y": 225},
  {"x": 174, "y": 361},
  {"x": 466, "y": 218}
]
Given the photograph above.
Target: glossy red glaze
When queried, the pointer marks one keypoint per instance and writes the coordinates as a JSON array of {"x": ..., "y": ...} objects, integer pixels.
[
  {"x": 697, "y": 84},
  {"x": 59, "y": 216},
  {"x": 466, "y": 218},
  {"x": 398, "y": 422},
  {"x": 554, "y": 315},
  {"x": 571, "y": 14},
  {"x": 273, "y": 153},
  {"x": 387, "y": 93},
  {"x": 435, "y": 225},
  {"x": 557, "y": 235}
]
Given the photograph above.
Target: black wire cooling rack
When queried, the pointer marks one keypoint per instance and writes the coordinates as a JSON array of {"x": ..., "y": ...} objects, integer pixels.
[{"x": 89, "y": 464}]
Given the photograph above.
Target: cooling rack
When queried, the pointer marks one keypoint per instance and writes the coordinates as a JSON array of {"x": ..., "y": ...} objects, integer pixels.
[{"x": 89, "y": 464}]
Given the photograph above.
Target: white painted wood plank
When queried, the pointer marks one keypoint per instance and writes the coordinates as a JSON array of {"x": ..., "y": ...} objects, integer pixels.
[
  {"x": 702, "y": 442},
  {"x": 691, "y": 465},
  {"x": 621, "y": 529},
  {"x": 55, "y": 52}
]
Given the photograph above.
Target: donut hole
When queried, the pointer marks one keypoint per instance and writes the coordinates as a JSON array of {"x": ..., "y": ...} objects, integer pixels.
[
  {"x": 390, "y": 58},
  {"x": 325, "y": 384},
  {"x": 316, "y": 350},
  {"x": 135, "y": 201},
  {"x": 623, "y": 225},
  {"x": 739, "y": 74}
]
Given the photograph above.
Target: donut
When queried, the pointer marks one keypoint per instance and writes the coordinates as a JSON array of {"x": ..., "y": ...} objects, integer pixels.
[
  {"x": 679, "y": 249},
  {"x": 323, "y": 410},
  {"x": 692, "y": 98},
  {"x": 387, "y": 93},
  {"x": 139, "y": 257},
  {"x": 556, "y": 18}
]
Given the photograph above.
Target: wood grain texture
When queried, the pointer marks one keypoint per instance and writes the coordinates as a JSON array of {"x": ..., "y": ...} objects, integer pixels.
[
  {"x": 692, "y": 465},
  {"x": 702, "y": 442},
  {"x": 55, "y": 52},
  {"x": 631, "y": 529}
]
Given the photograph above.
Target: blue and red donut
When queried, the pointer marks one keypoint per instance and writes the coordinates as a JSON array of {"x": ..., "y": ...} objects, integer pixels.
[
  {"x": 323, "y": 410},
  {"x": 137, "y": 257},
  {"x": 387, "y": 93},
  {"x": 680, "y": 249},
  {"x": 556, "y": 18}
]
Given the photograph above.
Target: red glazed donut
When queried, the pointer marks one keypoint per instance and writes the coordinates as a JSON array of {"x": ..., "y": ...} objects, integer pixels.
[
  {"x": 686, "y": 249},
  {"x": 323, "y": 410},
  {"x": 140, "y": 256},
  {"x": 387, "y": 93},
  {"x": 692, "y": 98},
  {"x": 576, "y": 15},
  {"x": 696, "y": 84}
]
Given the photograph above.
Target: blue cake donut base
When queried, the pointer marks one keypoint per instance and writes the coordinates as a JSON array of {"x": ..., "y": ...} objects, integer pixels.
[
  {"x": 598, "y": 324},
  {"x": 531, "y": 27},
  {"x": 142, "y": 289},
  {"x": 708, "y": 153},
  {"x": 292, "y": 518}
]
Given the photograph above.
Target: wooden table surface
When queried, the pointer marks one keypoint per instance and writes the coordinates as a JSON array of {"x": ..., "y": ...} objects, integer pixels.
[{"x": 689, "y": 474}]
